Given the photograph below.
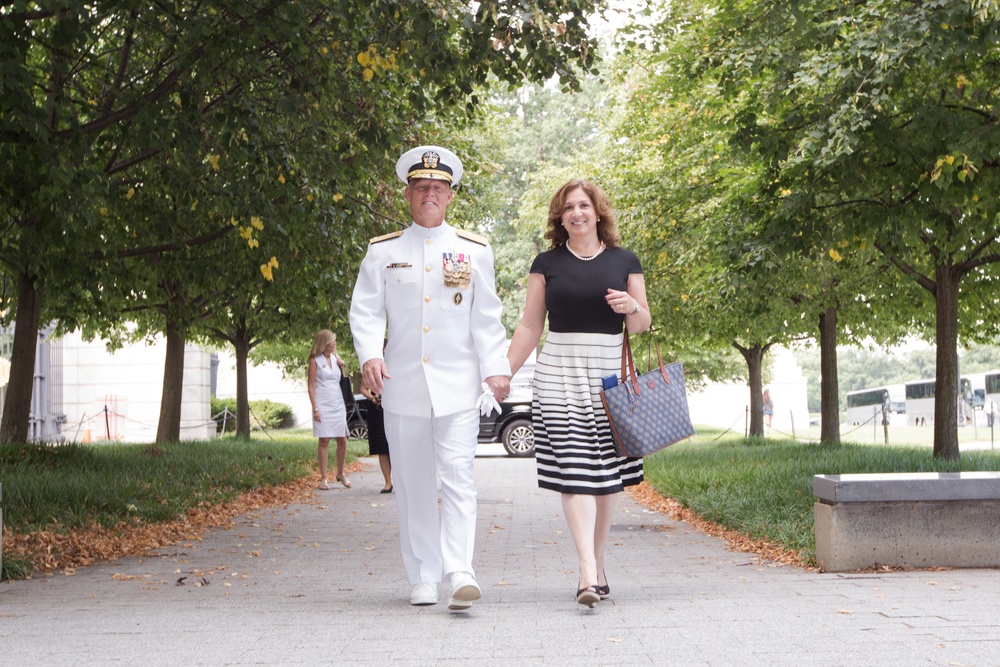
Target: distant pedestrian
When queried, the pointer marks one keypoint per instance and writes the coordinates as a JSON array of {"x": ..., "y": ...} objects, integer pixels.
[
  {"x": 329, "y": 413},
  {"x": 768, "y": 409},
  {"x": 991, "y": 410}
]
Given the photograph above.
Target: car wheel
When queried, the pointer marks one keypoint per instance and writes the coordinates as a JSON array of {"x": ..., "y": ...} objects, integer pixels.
[
  {"x": 357, "y": 431},
  {"x": 519, "y": 438}
]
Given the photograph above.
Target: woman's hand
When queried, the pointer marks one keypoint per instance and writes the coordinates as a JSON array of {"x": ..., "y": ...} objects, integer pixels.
[
  {"x": 622, "y": 302},
  {"x": 500, "y": 386}
]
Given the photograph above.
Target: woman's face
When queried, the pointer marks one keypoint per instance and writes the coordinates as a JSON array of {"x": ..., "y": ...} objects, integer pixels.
[
  {"x": 579, "y": 216},
  {"x": 330, "y": 348}
]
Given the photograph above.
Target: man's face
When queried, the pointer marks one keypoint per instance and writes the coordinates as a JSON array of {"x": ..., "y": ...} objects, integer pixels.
[{"x": 428, "y": 200}]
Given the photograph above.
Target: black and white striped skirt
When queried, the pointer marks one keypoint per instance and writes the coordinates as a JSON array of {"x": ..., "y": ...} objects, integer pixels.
[{"x": 573, "y": 446}]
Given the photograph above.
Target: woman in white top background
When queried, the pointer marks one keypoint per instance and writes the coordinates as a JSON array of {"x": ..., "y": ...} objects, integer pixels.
[{"x": 329, "y": 413}]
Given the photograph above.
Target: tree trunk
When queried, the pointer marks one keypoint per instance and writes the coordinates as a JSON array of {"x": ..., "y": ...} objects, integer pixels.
[
  {"x": 169, "y": 427},
  {"x": 17, "y": 405},
  {"x": 828, "y": 391},
  {"x": 946, "y": 385},
  {"x": 242, "y": 401},
  {"x": 754, "y": 357}
]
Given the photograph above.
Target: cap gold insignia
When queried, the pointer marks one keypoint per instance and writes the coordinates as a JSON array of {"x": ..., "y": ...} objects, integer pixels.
[{"x": 430, "y": 160}]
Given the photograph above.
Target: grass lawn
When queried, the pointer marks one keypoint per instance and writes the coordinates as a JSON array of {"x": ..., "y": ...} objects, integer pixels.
[
  {"x": 763, "y": 488},
  {"x": 61, "y": 491},
  {"x": 899, "y": 435}
]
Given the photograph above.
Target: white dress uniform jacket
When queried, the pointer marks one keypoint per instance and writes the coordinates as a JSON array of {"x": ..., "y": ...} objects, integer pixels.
[{"x": 445, "y": 334}]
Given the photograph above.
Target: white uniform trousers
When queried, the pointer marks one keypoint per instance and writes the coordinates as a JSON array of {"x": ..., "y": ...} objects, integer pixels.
[{"x": 423, "y": 449}]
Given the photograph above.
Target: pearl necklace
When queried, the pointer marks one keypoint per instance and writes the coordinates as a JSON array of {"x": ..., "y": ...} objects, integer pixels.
[{"x": 585, "y": 259}]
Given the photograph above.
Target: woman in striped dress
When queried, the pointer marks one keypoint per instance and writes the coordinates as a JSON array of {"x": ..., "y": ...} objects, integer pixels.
[{"x": 588, "y": 287}]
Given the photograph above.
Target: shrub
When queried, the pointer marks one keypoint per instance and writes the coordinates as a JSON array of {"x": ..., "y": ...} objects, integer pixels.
[
  {"x": 218, "y": 407},
  {"x": 268, "y": 414},
  {"x": 263, "y": 414}
]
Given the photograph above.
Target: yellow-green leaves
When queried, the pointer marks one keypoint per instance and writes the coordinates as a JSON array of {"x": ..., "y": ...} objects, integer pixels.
[
  {"x": 372, "y": 62},
  {"x": 247, "y": 232},
  {"x": 952, "y": 166},
  {"x": 267, "y": 270}
]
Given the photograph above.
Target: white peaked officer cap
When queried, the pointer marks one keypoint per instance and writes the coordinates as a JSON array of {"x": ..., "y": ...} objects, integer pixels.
[{"x": 433, "y": 162}]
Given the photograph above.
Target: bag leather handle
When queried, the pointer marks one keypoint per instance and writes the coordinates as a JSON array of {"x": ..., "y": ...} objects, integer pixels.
[{"x": 628, "y": 364}]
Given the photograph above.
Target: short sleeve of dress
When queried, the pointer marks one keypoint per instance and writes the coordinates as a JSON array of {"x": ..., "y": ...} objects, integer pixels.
[
  {"x": 634, "y": 266},
  {"x": 538, "y": 265}
]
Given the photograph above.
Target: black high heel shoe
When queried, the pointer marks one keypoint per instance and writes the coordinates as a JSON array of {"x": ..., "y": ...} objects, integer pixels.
[
  {"x": 588, "y": 596},
  {"x": 605, "y": 590}
]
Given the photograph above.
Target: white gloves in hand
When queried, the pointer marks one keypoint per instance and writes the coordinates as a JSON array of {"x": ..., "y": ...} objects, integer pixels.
[{"x": 487, "y": 403}]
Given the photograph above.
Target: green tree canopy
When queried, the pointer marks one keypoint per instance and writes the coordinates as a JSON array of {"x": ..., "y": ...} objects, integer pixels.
[
  {"x": 864, "y": 126},
  {"x": 92, "y": 92}
]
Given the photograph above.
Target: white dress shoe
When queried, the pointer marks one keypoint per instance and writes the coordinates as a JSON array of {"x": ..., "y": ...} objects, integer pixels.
[
  {"x": 464, "y": 591},
  {"x": 424, "y": 593}
]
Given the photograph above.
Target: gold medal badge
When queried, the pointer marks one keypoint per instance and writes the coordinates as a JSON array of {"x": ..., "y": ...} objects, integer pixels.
[{"x": 457, "y": 269}]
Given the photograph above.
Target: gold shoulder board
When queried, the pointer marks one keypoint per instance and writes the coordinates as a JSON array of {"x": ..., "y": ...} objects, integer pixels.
[
  {"x": 385, "y": 237},
  {"x": 475, "y": 238}
]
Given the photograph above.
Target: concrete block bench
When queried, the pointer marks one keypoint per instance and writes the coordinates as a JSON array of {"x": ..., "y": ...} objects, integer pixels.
[{"x": 917, "y": 519}]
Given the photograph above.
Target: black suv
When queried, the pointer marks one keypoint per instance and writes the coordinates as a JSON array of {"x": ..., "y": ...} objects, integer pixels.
[{"x": 512, "y": 427}]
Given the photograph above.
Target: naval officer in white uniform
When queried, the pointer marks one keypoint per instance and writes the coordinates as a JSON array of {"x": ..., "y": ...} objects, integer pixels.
[{"x": 434, "y": 287}]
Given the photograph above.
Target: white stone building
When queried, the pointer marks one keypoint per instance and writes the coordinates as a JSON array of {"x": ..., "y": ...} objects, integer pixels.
[{"x": 83, "y": 393}]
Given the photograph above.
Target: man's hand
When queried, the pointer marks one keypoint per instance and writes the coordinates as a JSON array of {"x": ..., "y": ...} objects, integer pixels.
[
  {"x": 500, "y": 386},
  {"x": 372, "y": 373}
]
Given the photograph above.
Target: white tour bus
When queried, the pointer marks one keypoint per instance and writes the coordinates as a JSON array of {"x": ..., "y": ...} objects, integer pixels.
[
  {"x": 920, "y": 402},
  {"x": 866, "y": 405},
  {"x": 992, "y": 388}
]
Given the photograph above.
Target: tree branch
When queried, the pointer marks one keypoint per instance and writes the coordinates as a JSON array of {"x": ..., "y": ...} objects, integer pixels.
[
  {"x": 974, "y": 264},
  {"x": 134, "y": 160},
  {"x": 988, "y": 240},
  {"x": 162, "y": 89},
  {"x": 166, "y": 247},
  {"x": 374, "y": 212},
  {"x": 908, "y": 270},
  {"x": 126, "y": 53},
  {"x": 961, "y": 107}
]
